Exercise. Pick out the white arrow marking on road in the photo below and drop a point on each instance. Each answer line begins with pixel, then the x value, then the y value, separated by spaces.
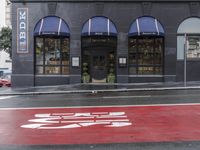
pixel 32 126
pixel 46 120
pixel 44 126
pixel 119 124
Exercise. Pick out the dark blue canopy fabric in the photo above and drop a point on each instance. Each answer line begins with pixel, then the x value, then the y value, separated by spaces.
pixel 101 26
pixel 146 26
pixel 52 26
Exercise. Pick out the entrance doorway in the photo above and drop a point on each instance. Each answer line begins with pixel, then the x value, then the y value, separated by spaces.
pixel 98 60
pixel 98 68
pixel 98 46
pixel 101 63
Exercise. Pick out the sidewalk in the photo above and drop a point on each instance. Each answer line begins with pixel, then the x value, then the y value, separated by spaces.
pixel 97 88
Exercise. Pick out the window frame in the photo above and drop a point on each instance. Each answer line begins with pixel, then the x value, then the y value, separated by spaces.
pixel 187 35
pixel 43 65
pixel 184 30
pixel 137 65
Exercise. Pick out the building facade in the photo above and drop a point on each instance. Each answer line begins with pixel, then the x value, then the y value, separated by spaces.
pixel 5 61
pixel 104 41
pixel 8 14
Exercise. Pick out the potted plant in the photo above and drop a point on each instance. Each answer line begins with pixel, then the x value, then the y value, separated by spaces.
pixel 111 76
pixel 86 76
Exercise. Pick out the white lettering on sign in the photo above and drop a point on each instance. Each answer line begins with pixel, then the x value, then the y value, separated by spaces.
pixel 78 120
pixel 22 30
pixel 22 15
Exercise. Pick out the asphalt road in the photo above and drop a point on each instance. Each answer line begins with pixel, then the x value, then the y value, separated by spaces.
pixel 102 99
pixel 106 99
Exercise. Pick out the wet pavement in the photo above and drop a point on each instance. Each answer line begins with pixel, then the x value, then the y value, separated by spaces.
pixel 88 88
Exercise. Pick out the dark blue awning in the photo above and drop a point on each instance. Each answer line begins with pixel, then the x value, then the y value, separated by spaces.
pixel 52 26
pixel 146 26
pixel 101 26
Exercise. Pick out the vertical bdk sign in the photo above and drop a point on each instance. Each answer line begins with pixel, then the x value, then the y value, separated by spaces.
pixel 22 30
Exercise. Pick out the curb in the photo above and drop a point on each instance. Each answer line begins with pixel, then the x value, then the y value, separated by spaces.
pixel 100 91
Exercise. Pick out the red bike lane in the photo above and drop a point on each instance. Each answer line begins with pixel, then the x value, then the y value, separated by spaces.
pixel 95 125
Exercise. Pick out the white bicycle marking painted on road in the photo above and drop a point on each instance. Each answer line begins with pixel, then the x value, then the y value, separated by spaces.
pixel 78 120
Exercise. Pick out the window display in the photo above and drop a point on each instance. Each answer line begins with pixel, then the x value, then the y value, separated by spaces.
pixel 193 47
pixel 52 56
pixel 189 31
pixel 145 55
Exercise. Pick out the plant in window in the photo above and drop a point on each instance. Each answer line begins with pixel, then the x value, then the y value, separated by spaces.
pixel 86 76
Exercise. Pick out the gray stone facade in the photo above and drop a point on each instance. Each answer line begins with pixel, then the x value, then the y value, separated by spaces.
pixel 122 13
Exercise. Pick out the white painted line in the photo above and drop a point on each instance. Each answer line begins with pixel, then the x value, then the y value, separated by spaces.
pixel 112 116
pixel 100 113
pixel 121 120
pixel 6 97
pixel 139 96
pixel 72 117
pixel 116 106
pixel 77 121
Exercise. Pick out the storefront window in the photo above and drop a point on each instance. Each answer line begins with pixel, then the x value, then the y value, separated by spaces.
pixel 39 51
pixel 193 47
pixel 189 33
pixel 145 55
pixel 52 56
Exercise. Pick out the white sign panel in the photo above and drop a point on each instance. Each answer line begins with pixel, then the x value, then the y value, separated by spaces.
pixel 122 61
pixel 75 61
pixel 22 30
